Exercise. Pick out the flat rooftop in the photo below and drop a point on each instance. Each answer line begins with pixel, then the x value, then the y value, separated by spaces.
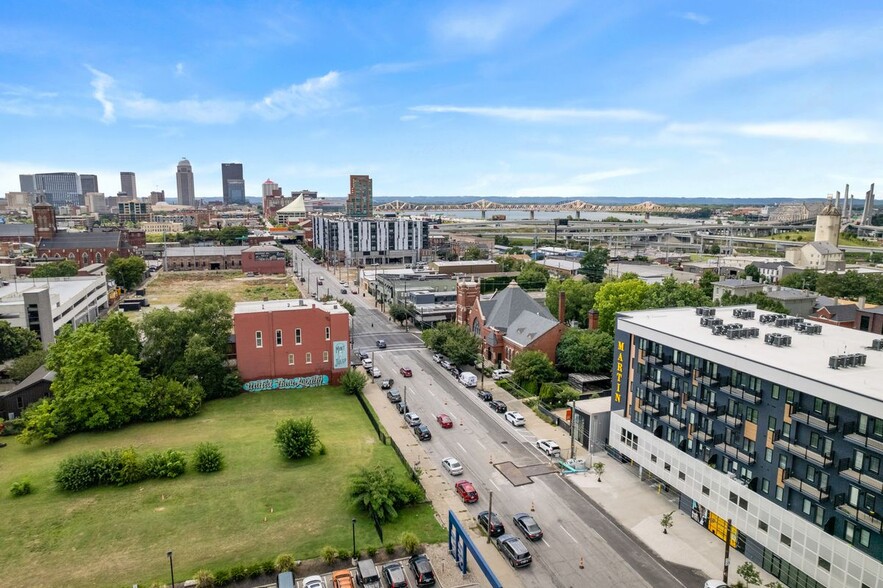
pixel 65 288
pixel 806 357
pixel 290 304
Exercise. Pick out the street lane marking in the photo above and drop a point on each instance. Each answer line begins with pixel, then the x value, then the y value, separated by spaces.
pixel 461 447
pixel 495 486
pixel 546 542
pixel 568 534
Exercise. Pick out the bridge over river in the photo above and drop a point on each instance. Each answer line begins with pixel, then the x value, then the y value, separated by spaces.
pixel 574 206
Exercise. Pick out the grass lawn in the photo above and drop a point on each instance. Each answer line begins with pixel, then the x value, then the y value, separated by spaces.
pixel 260 505
pixel 807 236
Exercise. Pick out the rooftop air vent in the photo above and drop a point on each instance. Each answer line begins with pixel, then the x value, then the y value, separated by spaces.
pixel 777 339
pixel 877 344
pixel 743 313
pixel 848 360
pixel 704 311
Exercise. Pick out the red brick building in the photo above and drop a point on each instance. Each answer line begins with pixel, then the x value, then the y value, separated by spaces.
pixel 83 248
pixel 508 323
pixel 263 259
pixel 291 343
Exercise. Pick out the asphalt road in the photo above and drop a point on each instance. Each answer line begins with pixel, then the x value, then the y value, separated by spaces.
pixel 573 526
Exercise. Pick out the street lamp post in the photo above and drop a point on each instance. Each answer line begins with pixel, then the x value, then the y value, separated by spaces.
pixel 171 567
pixel 354 542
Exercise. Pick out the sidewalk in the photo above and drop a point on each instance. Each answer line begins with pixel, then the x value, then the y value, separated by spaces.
pixel 638 506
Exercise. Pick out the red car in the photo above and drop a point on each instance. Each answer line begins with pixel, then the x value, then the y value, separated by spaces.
pixel 445 421
pixel 406 372
pixel 466 491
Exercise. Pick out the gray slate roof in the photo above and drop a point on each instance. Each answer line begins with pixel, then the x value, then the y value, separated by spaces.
pixel 22 230
pixel 41 373
pixel 525 329
pixel 96 239
pixel 841 312
pixel 508 304
pixel 739 283
pixel 824 248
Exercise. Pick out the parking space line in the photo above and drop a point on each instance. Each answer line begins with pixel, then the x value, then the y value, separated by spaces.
pixel 568 534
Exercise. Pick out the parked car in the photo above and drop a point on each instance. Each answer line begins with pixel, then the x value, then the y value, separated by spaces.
pixel 491 523
pixel 528 525
pixel 468 379
pixel 714 584
pixel 501 373
pixel 406 372
pixel 342 579
pixel 375 372
pixel 412 418
pixel 386 384
pixel 422 570
pixel 498 406
pixel 513 550
pixel 401 407
pixel 466 491
pixel 394 574
pixel 367 364
pixel 456 371
pixel 302 279
pixel 320 282
pixel 393 395
pixel 437 357
pixel 363 354
pixel 285 580
pixel 445 421
pixel 485 395
pixel 549 447
pixel 452 466
pixel 515 418
pixel 445 363
pixel 381 344
pixel 366 574
pixel 422 432
pixel 313 582
pixel 343 290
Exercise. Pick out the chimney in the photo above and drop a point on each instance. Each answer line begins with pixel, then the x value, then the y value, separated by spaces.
pixel 861 303
pixel 593 320
pixel 561 306
pixel 845 202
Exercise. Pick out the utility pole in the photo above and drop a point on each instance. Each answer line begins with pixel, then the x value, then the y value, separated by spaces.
pixel 727 551
pixel 490 516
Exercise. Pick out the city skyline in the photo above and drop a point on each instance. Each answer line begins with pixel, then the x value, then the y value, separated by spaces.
pixel 556 99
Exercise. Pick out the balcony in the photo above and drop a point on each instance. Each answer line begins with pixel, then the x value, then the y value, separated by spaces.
pixel 865 441
pixel 649 408
pixel 703 437
pixel 804 452
pixel 708 380
pixel 863 479
pixel 734 422
pixel 746 395
pixel 818 494
pixel 702 406
pixel 673 394
pixel 651 385
pixel 815 422
pixel 652 359
pixel 673 367
pixel 673 422
pixel 861 517
pixel 736 453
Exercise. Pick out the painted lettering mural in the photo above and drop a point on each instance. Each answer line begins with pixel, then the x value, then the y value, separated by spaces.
pixel 285 383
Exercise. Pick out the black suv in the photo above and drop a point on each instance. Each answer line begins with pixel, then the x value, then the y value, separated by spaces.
pixel 485 395
pixel 498 406
pixel 513 550
pixel 456 371
pixel 393 395
pixel 495 528
pixel 422 432
pixel 422 569
pixel 401 407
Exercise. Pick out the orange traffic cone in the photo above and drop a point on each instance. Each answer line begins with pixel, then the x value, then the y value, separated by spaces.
pixel 581 564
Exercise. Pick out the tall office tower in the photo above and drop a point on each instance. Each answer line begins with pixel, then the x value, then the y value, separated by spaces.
pixel 88 183
pixel 186 190
pixel 127 184
pixel 95 202
pixel 359 202
pixel 26 183
pixel 267 188
pixel 232 183
pixel 59 188
pixel 157 197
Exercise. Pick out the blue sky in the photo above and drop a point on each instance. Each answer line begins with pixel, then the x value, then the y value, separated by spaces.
pixel 557 98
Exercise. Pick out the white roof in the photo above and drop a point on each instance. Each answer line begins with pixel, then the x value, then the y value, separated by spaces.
pixel 289 304
pixel 295 206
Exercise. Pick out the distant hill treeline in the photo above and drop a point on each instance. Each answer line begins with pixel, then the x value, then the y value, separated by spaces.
pixel 670 201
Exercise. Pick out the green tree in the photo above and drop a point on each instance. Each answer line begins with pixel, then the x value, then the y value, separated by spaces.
pixel 353 381
pixel 670 293
pixel 667 521
pixel 760 299
pixel 55 269
pixel 707 282
pixel 26 365
pixel 805 279
pixel 349 306
pixel 297 438
pixel 579 298
pixel 594 263
pixel 751 272
pixel 533 276
pixel 715 249
pixel 127 272
pixel 456 341
pixel 167 398
pixel 232 235
pixel 211 316
pixel 164 334
pixel 586 351
pixel 509 263
pixel 122 333
pixel 501 240
pixel 15 341
pixel 532 366
pixel 204 364
pixel 399 312
pixel 628 293
pixel 749 573
pixel 378 492
pixel 473 253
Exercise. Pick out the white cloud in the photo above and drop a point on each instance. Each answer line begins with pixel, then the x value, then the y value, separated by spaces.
pixel 313 94
pixel 695 17
pixel 525 183
pixel 832 131
pixel 101 83
pixel 408 117
pixel 543 114
pixel 179 69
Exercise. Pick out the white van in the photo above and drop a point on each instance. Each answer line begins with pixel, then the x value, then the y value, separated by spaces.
pixel 468 379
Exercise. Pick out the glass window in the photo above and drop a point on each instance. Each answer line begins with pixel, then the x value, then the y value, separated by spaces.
pixel 824 564
pixel 328 333
pixel 786 430
pixel 309 357
pixel 849 532
pixel 780 492
pixel 807 506
pixel 278 337
pixel 297 340
pixel 751 414
pixel 258 339
pixel 817 405
pixel 864 537
pixel 786 540
pixel 765 486
pixel 858 460
pixel 769 455
pixel 705 490
pixel 776 391
pixel 783 461
pixel 874 464
pixel 325 357
pixel 290 359
pixel 771 423
pixel 762 526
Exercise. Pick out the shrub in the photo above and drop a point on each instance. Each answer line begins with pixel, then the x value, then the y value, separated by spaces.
pixel 167 398
pixel 20 488
pixel 372 551
pixel 410 542
pixel 255 570
pixel 390 548
pixel 204 579
pixel 285 562
pixel 410 493
pixel 222 577
pixel 238 573
pixel 208 458
pixel 296 438
pixel 329 554
pixel 268 566
pixel 27 364
pixel 344 554
pixel 322 449
pixel 77 472
pixel 353 381
pixel 169 464
pixel 128 468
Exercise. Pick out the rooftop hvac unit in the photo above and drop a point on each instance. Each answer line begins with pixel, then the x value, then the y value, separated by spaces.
pixel 849 360
pixel 833 363
pixel 860 359
pixel 877 344
pixel 704 311
pixel 743 313
pixel 800 327
pixel 717 330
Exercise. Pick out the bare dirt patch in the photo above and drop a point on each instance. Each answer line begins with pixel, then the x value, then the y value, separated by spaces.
pixel 170 288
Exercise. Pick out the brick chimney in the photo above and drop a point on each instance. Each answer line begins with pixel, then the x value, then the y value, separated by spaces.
pixel 593 320
pixel 561 306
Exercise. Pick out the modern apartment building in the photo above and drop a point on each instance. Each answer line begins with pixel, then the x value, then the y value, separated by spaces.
pixel 233 184
pixel 186 189
pixel 127 185
pixel 359 203
pixel 366 241
pixel 59 188
pixel 768 421
pixel 89 183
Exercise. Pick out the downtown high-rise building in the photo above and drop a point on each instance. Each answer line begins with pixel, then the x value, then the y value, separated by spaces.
pixel 26 183
pixel 267 188
pixel 186 189
pixel 59 188
pixel 89 183
pixel 359 203
pixel 127 184
pixel 232 183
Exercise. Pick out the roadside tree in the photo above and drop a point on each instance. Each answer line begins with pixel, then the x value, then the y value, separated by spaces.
pixel 533 276
pixel 16 341
pixel 532 366
pixel 127 272
pixel 594 263
pixel 586 351
pixel 353 381
pixel 55 269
